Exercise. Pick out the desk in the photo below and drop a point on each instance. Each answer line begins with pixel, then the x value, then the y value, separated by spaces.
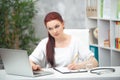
pixel 59 76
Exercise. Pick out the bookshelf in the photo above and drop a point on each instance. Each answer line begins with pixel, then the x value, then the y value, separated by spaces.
pixel 105 20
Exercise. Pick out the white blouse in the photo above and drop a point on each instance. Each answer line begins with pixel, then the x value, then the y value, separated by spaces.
pixel 63 56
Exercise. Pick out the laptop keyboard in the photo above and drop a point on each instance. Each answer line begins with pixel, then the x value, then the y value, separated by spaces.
pixel 42 73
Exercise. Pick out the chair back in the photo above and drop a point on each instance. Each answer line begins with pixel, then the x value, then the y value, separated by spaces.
pixel 81 34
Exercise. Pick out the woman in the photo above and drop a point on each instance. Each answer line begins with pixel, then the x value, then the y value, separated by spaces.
pixel 60 48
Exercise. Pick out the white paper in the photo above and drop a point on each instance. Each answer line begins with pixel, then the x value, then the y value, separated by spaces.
pixel 66 70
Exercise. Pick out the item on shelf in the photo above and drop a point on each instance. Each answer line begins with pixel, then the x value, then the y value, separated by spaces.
pixel 88 11
pixel 117 35
pixel 95 32
pixel 91 9
pixel 117 43
pixel 107 43
pixel 94 49
pixel 117 29
pixel 118 9
pixel 101 8
pixel 94 35
pixel 106 9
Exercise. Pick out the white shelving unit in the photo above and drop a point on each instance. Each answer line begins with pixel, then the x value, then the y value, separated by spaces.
pixel 108 56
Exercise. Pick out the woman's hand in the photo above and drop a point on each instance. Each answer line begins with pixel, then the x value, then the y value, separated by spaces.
pixel 82 65
pixel 35 67
pixel 73 66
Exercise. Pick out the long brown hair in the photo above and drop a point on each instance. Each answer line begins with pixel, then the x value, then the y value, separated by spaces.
pixel 51 41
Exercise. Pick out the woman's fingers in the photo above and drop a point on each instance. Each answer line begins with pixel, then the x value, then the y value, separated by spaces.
pixel 36 67
pixel 73 66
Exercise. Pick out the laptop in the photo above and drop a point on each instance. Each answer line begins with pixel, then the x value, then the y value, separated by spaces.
pixel 16 62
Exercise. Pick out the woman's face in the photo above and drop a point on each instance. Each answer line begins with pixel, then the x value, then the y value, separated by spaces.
pixel 55 28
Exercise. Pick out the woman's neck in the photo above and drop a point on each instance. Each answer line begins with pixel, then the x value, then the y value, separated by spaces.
pixel 63 41
pixel 61 38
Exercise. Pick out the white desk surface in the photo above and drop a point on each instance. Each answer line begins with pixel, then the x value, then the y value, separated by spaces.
pixel 72 76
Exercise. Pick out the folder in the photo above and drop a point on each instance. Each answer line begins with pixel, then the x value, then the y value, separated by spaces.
pixel 65 70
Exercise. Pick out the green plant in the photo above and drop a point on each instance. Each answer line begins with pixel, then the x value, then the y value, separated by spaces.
pixel 16 29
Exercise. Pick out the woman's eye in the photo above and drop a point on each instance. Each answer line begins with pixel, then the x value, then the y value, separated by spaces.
pixel 49 28
pixel 57 26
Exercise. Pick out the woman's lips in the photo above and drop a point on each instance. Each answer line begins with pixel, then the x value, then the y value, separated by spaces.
pixel 56 34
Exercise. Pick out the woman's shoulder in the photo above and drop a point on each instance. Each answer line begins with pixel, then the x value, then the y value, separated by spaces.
pixel 43 41
pixel 74 38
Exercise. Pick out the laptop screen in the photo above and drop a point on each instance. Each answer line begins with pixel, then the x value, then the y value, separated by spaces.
pixel 16 62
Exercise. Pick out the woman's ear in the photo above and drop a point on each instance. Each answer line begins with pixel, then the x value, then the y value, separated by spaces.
pixel 63 25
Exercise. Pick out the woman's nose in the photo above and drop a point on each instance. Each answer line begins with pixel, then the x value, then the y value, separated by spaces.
pixel 54 30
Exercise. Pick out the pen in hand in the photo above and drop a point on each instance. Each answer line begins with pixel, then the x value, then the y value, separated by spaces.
pixel 73 65
pixel 75 57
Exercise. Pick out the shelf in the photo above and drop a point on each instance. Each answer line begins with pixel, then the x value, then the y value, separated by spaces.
pixel 105 21
pixel 96 45
pixel 114 49
pixel 105 47
pixel 114 19
pixel 104 57
pixel 104 29
pixel 115 58
pixel 93 18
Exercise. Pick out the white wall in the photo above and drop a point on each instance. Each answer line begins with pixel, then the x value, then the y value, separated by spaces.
pixel 73 12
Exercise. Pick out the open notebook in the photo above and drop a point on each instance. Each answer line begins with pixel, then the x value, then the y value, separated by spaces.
pixel 17 62
pixel 65 70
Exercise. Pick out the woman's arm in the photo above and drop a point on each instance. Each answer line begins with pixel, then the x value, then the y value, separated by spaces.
pixel 85 56
pixel 82 65
pixel 37 57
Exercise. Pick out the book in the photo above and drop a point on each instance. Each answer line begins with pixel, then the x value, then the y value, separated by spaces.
pixel 94 49
pixel 117 43
pixel 101 8
pixel 117 29
pixel 91 9
pixel 106 9
pixel 107 41
pixel 118 9
pixel 117 35
pixel 65 70
pixel 88 8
